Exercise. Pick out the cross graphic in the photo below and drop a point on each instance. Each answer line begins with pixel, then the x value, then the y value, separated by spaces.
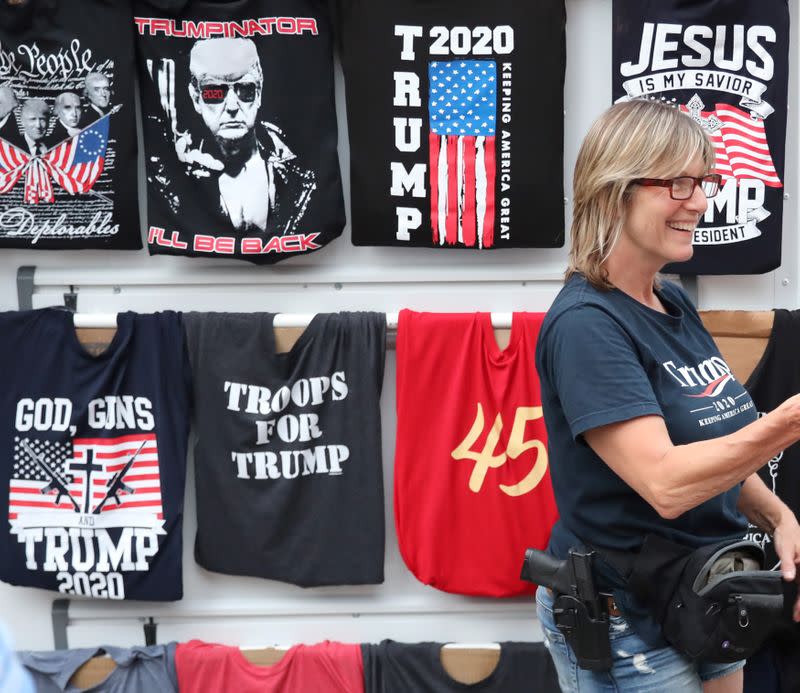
pixel 695 106
pixel 87 467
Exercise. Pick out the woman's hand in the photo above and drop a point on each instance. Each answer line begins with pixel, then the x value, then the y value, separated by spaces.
pixel 786 539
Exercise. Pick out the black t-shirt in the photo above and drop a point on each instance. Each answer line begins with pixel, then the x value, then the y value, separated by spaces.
pixel 94 450
pixel 726 63
pixel 239 127
pixel 456 122
pixel 67 126
pixel 288 455
pixel 392 667
pixel 603 358
pixel 774 380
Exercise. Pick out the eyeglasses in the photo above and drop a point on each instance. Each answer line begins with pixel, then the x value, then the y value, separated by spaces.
pixel 216 92
pixel 682 187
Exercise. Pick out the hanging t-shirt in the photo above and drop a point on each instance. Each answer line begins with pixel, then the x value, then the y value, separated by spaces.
pixel 327 667
pixel 288 455
pixel 94 450
pixel 726 64
pixel 392 667
pixel 773 381
pixel 472 482
pixel 239 127
pixel 138 669
pixel 67 126
pixel 456 122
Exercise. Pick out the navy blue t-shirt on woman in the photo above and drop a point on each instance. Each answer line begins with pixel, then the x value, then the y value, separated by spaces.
pixel 94 455
pixel 603 357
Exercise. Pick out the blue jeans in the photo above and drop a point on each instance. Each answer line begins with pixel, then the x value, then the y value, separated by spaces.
pixel 636 667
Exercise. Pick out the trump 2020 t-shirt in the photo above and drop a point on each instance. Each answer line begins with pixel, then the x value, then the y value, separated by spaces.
pixel 94 450
pixel 455 117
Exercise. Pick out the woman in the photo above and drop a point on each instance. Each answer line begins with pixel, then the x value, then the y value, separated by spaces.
pixel 648 430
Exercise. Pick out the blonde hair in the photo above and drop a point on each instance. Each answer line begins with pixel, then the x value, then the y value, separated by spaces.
pixel 634 139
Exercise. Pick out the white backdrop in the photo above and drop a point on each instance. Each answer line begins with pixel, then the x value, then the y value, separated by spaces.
pixel 255 612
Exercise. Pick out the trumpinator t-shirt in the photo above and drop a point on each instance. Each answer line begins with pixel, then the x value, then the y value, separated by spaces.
pixel 288 454
pixel 67 126
pixel 456 121
pixel 94 455
pixel 603 357
pixel 239 127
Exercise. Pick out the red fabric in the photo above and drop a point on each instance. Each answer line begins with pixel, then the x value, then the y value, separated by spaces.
pixel 488 221
pixel 452 191
pixel 328 667
pixel 468 216
pixel 458 529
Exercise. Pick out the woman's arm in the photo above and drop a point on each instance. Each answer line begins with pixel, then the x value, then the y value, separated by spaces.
pixel 676 478
pixel 763 508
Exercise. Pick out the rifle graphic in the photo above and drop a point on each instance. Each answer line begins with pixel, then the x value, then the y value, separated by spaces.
pixel 117 485
pixel 56 482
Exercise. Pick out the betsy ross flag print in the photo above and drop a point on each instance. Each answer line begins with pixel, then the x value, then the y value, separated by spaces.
pixel 739 140
pixel 462 114
pixel 75 164
pixel 85 475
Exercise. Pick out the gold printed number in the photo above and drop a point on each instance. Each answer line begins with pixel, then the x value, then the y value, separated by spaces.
pixel 486 460
pixel 517 445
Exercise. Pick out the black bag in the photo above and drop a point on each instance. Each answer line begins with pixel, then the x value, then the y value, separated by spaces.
pixel 714 617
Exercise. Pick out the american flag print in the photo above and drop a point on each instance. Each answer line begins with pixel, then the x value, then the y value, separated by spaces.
pixel 12 164
pixel 85 470
pixel 462 110
pixel 75 164
pixel 740 142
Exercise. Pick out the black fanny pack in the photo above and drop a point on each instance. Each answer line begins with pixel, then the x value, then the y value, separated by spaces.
pixel 715 603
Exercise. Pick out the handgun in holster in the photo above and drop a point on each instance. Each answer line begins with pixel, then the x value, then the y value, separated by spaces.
pixel 580 613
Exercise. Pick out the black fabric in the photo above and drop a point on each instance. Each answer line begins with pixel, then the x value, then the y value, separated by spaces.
pixel 386 45
pixel 775 379
pixel 54 58
pixel 239 128
pixel 761 672
pixel 732 55
pixel 393 667
pixel 94 450
pixel 288 454
pixel 724 619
